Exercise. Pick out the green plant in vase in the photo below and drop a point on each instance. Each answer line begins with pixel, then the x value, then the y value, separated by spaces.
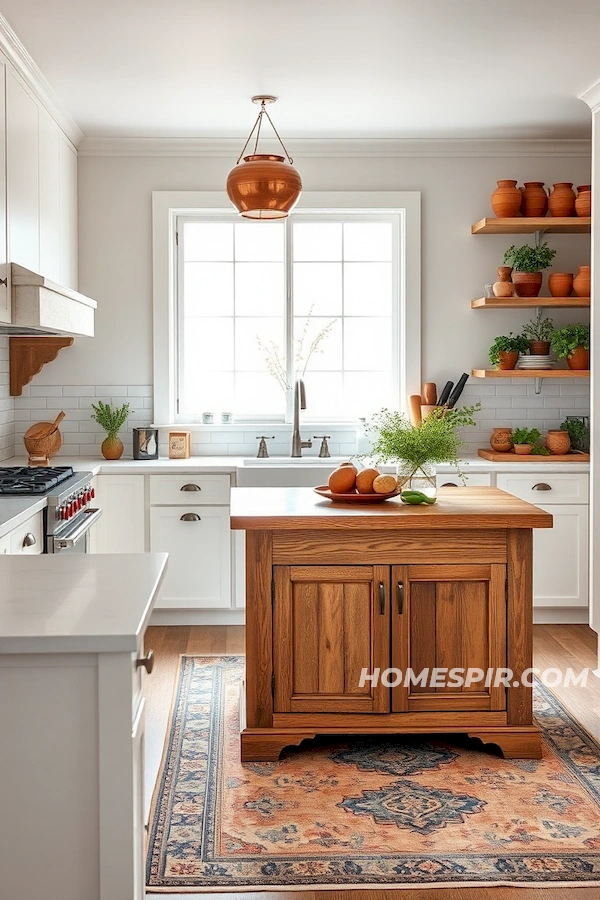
pixel 579 433
pixel 527 441
pixel 112 419
pixel 572 342
pixel 415 449
pixel 528 263
pixel 505 350
pixel 538 332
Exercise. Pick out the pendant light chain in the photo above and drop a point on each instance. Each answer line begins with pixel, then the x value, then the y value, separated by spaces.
pixel 257 126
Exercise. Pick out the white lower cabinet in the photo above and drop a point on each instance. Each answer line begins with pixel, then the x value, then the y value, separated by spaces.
pixel 198 541
pixel 4 544
pixel 28 538
pixel 121 527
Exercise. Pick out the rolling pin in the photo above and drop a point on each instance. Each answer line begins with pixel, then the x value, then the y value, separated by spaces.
pixel 430 393
pixel 414 402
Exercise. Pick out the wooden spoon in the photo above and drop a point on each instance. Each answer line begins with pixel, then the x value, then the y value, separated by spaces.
pixel 414 402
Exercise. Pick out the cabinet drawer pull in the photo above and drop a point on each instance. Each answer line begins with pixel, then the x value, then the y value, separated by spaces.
pixel 400 598
pixel 29 540
pixel 189 517
pixel 449 484
pixel 381 598
pixel 541 486
pixel 190 487
pixel 146 661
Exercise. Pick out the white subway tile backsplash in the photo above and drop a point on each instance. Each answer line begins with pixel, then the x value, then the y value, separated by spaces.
pixel 45 390
pixel 78 390
pixel 7 420
pixel 61 403
pixel 108 390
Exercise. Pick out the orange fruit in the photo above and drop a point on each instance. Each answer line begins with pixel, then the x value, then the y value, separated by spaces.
pixel 343 479
pixel 385 484
pixel 365 479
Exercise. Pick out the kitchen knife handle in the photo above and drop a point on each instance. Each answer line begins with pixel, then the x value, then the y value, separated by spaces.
pixel 460 386
pixel 445 393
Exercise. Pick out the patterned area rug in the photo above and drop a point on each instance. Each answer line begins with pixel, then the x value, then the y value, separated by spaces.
pixel 400 812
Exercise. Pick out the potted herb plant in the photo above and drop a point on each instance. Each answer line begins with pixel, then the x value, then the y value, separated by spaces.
pixel 112 419
pixel 525 440
pixel 528 263
pixel 415 449
pixel 538 332
pixel 505 350
pixel 579 433
pixel 572 342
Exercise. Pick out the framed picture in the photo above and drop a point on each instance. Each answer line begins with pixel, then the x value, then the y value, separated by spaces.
pixel 179 444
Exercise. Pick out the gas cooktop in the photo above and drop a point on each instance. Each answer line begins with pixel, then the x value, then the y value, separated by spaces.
pixel 32 480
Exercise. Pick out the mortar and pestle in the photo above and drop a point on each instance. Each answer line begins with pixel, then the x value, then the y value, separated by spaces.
pixel 43 440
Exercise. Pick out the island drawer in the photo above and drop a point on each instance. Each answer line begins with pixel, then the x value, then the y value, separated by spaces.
pixel 542 488
pixel 192 489
pixel 473 479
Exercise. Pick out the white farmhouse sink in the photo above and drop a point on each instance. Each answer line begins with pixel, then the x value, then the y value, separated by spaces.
pixel 328 462
pixel 284 472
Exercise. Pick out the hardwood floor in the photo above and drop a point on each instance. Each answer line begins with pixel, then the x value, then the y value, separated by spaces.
pixel 555 646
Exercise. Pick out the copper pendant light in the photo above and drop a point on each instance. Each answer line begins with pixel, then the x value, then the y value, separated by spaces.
pixel 264 185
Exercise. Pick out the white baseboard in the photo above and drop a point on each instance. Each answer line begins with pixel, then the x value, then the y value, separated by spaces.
pixel 198 617
pixel 560 615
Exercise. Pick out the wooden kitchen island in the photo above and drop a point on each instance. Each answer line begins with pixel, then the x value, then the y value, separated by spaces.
pixel 332 589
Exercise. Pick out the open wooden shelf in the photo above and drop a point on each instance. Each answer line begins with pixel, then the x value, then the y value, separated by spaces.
pixel 529 302
pixel 530 373
pixel 525 225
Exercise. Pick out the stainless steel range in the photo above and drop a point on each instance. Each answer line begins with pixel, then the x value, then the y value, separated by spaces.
pixel 69 514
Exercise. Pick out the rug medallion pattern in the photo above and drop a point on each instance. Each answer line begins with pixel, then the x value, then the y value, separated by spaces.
pixel 378 812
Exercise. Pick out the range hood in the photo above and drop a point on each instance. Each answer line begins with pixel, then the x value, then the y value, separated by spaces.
pixel 40 306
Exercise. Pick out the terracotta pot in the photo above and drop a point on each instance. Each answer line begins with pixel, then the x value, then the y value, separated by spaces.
pixel 561 201
pixel 539 348
pixel 506 199
pixel 583 203
pixel 527 284
pixel 583 187
pixel 560 284
pixel 501 440
pixel 558 442
pixel 112 448
pixel 504 286
pixel 534 200
pixel 579 359
pixel 523 449
pixel 508 359
pixel 581 282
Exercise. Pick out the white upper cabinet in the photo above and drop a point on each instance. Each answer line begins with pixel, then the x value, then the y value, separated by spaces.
pixel 50 206
pixel 22 168
pixel 5 308
pixel 68 212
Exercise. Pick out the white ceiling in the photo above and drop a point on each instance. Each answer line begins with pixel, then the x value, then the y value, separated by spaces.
pixel 341 68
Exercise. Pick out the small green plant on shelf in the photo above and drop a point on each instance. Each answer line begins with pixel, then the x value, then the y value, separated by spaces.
pixel 528 258
pixel 579 433
pixel 528 440
pixel 507 343
pixel 564 341
pixel 112 419
pixel 538 330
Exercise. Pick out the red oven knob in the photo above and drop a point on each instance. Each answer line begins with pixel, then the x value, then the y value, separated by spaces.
pixel 92 493
pixel 70 510
pixel 88 496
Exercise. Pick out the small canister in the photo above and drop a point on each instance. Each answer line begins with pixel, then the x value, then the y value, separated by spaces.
pixel 145 442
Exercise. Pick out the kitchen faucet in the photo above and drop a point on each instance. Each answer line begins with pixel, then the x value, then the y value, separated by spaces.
pixel 299 403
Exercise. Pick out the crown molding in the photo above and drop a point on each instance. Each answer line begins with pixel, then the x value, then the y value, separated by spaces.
pixel 17 55
pixel 592 96
pixel 302 147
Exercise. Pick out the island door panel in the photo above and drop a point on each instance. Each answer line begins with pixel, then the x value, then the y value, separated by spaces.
pixel 330 623
pixel 452 617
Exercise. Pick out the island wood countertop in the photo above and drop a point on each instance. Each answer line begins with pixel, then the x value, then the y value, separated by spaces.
pixel 280 509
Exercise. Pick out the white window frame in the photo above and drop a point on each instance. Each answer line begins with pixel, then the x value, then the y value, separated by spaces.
pixel 168 205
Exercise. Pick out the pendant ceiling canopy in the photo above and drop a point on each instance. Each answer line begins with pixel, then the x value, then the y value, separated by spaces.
pixel 264 185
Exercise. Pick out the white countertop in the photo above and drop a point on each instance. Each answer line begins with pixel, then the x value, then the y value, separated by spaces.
pixel 77 603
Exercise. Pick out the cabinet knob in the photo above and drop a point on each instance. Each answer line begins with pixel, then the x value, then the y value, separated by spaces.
pixel 190 517
pixel 381 598
pixel 541 486
pixel 29 540
pixel 190 487
pixel 449 484
pixel 400 594
pixel 146 661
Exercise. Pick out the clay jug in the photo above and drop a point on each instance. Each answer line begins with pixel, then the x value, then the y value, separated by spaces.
pixel 506 199
pixel 579 360
pixel 504 286
pixel 561 201
pixel 534 200
pixel 558 442
pixel 501 440
pixel 581 282
pixel 112 447
pixel 560 284
pixel 583 203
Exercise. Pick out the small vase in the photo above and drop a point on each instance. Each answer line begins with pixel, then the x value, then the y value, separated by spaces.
pixel 583 203
pixel 534 200
pixel 579 360
pixel 112 447
pixel 504 286
pixel 561 201
pixel 508 359
pixel 581 282
pixel 539 348
pixel 416 478
pixel 558 442
pixel 527 284
pixel 560 284
pixel 523 449
pixel 501 440
pixel 506 199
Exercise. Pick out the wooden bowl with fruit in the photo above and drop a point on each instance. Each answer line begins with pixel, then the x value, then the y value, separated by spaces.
pixel 347 485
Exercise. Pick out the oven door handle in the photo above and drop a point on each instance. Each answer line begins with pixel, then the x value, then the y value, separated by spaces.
pixel 68 539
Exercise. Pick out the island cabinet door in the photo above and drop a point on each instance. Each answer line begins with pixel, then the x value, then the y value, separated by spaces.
pixel 331 626
pixel 448 617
